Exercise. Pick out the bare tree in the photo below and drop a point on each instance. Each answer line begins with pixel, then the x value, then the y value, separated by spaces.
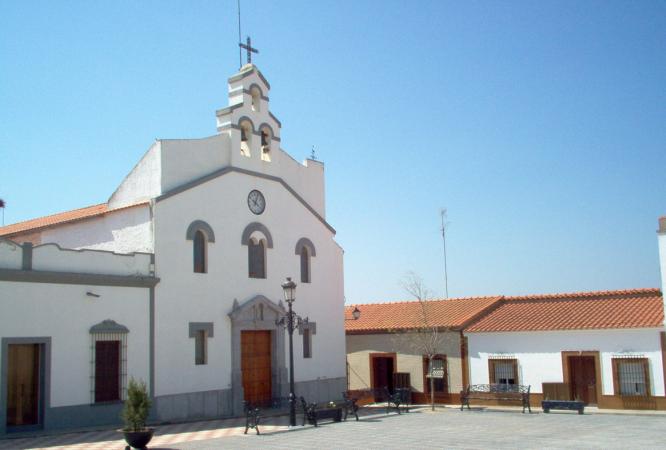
pixel 427 338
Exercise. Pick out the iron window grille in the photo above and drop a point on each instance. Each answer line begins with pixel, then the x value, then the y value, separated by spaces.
pixel 107 373
pixel 438 371
pixel 503 371
pixel 631 376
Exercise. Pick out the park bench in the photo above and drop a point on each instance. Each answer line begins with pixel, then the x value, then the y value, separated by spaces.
pixel 571 405
pixel 400 396
pixel 313 413
pixel 507 392
pixel 349 405
pixel 251 417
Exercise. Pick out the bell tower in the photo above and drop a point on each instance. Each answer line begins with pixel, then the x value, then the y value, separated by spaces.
pixel 253 130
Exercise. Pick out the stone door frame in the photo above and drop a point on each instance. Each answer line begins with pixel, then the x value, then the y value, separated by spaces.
pixel 257 313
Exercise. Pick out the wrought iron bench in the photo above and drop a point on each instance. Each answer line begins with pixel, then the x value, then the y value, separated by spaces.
pixel 401 396
pixel 313 413
pixel 509 392
pixel 251 417
pixel 349 405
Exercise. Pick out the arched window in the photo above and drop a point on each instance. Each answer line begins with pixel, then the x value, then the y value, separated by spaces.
pixel 256 251
pixel 199 246
pixel 305 265
pixel 306 250
pixel 201 234
pixel 255 93
pixel 258 239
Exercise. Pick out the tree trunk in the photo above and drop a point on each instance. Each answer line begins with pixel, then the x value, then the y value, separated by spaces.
pixel 432 384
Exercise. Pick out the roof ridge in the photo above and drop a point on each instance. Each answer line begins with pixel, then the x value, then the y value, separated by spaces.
pixel 398 302
pixel 51 215
pixel 43 221
pixel 583 294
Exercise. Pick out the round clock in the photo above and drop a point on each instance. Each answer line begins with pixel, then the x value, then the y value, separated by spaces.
pixel 256 202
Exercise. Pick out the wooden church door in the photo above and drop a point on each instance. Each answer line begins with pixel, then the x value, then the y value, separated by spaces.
pixel 256 366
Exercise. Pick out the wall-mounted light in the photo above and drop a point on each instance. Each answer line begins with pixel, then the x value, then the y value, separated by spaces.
pixel 356 314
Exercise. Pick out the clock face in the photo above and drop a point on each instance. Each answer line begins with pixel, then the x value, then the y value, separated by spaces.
pixel 256 202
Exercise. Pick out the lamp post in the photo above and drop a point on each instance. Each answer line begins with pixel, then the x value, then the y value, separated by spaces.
pixel 291 321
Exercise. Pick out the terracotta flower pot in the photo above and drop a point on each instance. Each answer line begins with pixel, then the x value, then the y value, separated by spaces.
pixel 138 439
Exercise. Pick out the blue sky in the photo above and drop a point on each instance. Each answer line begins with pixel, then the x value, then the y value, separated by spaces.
pixel 539 125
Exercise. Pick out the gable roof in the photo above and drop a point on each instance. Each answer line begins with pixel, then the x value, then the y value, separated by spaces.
pixel 61 218
pixel 453 313
pixel 634 308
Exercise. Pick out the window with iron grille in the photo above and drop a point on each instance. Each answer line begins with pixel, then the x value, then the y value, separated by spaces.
pixel 631 376
pixel 108 362
pixel 503 371
pixel 439 374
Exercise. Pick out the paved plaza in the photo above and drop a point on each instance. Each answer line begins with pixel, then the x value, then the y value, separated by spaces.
pixel 444 428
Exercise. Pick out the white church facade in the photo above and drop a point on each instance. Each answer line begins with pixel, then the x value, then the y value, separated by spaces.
pixel 176 280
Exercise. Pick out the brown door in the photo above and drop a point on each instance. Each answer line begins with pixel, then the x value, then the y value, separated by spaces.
pixel 23 385
pixel 256 366
pixel 583 379
pixel 107 371
pixel 382 376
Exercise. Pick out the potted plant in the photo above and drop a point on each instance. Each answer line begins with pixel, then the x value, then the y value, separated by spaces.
pixel 135 412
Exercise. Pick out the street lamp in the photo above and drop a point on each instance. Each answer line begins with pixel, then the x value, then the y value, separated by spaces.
pixel 291 321
pixel 356 314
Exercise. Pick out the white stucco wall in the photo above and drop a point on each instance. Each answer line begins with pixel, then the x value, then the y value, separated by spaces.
pixel 65 314
pixel 123 231
pixel 185 160
pixel 540 358
pixel 11 255
pixel 184 296
pixel 143 182
pixel 51 257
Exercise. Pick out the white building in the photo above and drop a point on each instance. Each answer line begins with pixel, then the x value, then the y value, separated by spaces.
pixel 604 348
pixel 208 230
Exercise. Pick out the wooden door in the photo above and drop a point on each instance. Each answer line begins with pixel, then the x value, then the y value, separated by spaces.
pixel 23 384
pixel 256 366
pixel 107 371
pixel 382 376
pixel 583 379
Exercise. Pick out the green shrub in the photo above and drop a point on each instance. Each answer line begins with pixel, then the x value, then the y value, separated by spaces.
pixel 137 406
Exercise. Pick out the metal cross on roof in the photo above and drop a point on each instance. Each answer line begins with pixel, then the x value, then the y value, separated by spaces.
pixel 249 49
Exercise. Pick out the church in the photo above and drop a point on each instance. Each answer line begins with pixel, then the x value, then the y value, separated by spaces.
pixel 176 281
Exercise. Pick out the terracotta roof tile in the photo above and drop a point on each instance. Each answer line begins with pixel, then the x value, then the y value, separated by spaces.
pixel 451 313
pixel 635 308
pixel 60 219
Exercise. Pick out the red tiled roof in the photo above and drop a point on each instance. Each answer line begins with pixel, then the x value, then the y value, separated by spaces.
pixel 451 313
pixel 634 308
pixel 60 219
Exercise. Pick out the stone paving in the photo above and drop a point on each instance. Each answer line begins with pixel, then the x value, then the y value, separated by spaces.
pixel 476 429
pixel 445 428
